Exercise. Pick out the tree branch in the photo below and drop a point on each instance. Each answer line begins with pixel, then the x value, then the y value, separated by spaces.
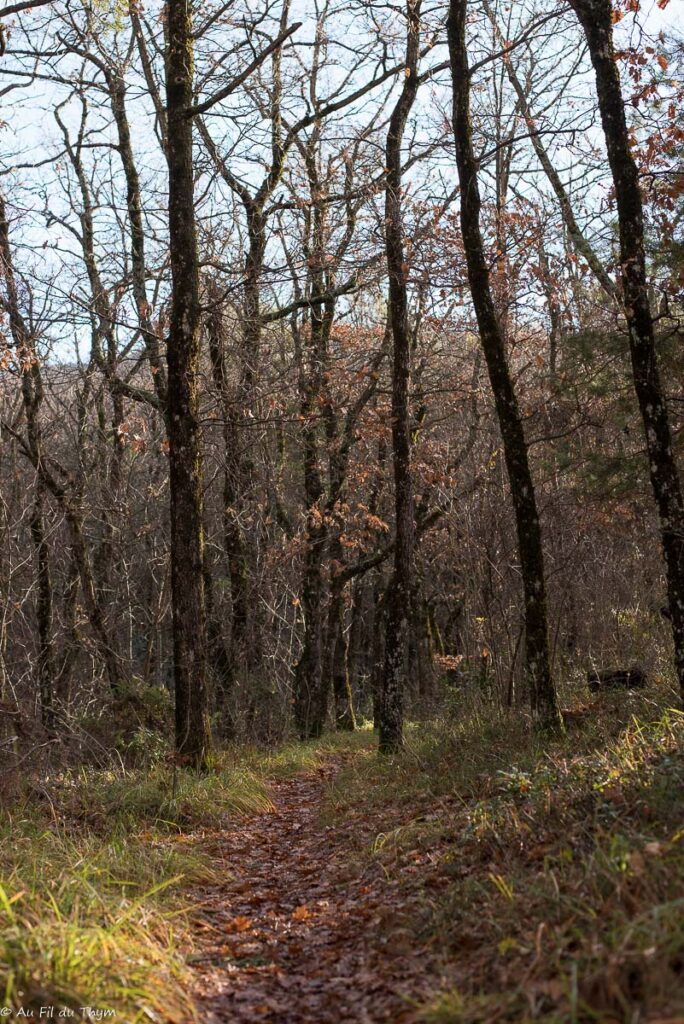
pixel 24 6
pixel 201 108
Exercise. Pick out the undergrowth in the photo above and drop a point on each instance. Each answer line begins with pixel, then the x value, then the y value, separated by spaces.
pixel 93 887
pixel 551 876
pixel 95 867
pixel 297 758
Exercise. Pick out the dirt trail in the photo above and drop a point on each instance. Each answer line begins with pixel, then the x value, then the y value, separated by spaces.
pixel 297 933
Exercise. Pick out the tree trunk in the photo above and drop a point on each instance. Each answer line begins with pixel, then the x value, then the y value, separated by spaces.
pixel 377 662
pixel 241 481
pixel 311 696
pixel 540 680
pixel 337 668
pixel 185 457
pixel 229 659
pixel 219 657
pixel 32 395
pixel 398 602
pixel 595 16
pixel 312 683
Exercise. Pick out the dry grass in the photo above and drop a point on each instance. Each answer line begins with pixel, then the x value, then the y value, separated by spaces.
pixel 92 907
pixel 552 878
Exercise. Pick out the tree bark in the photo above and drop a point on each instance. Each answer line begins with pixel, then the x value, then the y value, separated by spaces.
pixel 185 456
pixel 538 664
pixel 226 659
pixel 398 601
pixel 32 396
pixel 312 683
pixel 595 17
pixel 337 664
pixel 311 693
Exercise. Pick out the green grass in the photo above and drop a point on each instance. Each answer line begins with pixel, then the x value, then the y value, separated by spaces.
pixel 93 886
pixel 550 877
pixel 95 867
pixel 300 758
pixel 156 795
pixel 92 922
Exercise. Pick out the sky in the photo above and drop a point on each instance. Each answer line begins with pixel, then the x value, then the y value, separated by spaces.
pixel 31 135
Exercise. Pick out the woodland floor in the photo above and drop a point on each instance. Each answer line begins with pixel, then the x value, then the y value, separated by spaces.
pixel 483 876
pixel 478 878
pixel 301 930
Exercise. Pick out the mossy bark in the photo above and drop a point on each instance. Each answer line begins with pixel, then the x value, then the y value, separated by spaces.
pixel 184 432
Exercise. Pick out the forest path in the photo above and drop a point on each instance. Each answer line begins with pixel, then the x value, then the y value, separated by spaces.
pixel 303 931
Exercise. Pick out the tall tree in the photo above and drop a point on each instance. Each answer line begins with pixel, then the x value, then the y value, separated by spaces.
pixel 538 660
pixel 240 475
pixel 398 603
pixel 596 19
pixel 184 431
pixel 32 397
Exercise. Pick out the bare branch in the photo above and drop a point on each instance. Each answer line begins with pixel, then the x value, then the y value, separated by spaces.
pixel 235 83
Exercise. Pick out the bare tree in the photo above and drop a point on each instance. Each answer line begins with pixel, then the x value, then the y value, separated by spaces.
pixel 596 18
pixel 185 454
pixel 398 601
pixel 541 686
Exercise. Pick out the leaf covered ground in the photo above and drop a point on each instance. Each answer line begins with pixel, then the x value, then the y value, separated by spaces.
pixel 298 932
pixel 480 877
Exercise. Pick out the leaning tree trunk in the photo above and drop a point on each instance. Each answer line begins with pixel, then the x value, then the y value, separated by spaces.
pixel 185 459
pixel 398 601
pixel 541 685
pixel 595 16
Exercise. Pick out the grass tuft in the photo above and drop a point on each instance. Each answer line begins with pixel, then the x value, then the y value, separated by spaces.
pixel 92 887
pixel 301 758
pixel 91 923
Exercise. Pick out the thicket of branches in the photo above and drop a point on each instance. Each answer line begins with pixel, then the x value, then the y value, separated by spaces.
pixel 272 437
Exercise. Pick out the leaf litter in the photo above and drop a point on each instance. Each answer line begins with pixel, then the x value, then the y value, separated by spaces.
pixel 300 932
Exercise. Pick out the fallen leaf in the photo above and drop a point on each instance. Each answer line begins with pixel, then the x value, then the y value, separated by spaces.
pixel 239 924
